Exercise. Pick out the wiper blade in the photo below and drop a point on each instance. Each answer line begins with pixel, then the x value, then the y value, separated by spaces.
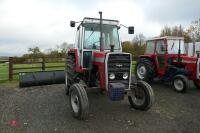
pixel 172 45
pixel 90 35
pixel 93 29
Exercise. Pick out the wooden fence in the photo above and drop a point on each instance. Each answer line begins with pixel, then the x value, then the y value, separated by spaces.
pixel 14 65
pixel 17 64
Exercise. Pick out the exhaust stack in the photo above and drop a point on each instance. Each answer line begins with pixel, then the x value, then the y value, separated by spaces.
pixel 101 33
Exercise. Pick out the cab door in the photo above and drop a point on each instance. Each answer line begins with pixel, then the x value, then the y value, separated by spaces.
pixel 161 56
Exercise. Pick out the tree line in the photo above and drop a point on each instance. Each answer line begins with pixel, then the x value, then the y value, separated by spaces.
pixel 135 47
pixel 58 51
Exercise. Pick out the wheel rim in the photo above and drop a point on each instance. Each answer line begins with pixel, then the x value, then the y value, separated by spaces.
pixel 75 102
pixel 141 71
pixel 138 96
pixel 178 84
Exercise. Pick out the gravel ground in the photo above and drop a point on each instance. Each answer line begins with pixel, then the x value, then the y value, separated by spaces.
pixel 46 109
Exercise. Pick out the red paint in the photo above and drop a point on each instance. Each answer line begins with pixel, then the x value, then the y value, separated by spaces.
pixel 100 65
pixel 99 54
pixel 12 123
pixel 78 67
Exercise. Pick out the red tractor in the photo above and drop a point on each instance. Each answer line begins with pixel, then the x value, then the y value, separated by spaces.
pixel 97 61
pixel 166 59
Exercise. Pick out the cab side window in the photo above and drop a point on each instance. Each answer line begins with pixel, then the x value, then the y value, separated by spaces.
pixel 149 47
pixel 160 47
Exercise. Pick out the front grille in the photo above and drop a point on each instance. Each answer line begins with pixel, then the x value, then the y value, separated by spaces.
pixel 119 64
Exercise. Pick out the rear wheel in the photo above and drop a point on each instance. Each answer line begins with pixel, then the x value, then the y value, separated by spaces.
pixel 141 96
pixel 70 73
pixel 145 70
pixel 180 83
pixel 78 101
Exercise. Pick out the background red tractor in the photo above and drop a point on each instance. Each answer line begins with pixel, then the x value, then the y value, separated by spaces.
pixel 97 61
pixel 166 59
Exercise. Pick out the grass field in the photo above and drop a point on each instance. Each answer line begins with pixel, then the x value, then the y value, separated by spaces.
pixel 4 69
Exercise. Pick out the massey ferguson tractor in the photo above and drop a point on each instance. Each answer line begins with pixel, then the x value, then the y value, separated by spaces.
pixel 97 61
pixel 166 59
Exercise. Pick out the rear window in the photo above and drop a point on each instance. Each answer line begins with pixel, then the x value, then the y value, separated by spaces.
pixel 149 47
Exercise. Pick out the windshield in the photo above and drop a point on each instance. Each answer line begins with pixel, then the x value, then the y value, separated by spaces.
pixel 92 35
pixel 173 46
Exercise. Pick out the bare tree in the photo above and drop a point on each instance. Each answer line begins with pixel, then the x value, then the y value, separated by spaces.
pixel 194 30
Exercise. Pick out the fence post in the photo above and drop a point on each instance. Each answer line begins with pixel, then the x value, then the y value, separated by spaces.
pixel 43 63
pixel 10 68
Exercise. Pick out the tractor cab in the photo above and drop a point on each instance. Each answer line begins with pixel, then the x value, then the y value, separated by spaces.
pixel 88 38
pixel 165 45
pixel 164 50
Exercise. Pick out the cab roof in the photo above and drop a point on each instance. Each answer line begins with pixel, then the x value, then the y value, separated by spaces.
pixel 166 37
pixel 104 21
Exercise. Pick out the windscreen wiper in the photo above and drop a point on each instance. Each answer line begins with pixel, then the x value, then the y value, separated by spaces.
pixel 93 29
pixel 172 45
pixel 90 35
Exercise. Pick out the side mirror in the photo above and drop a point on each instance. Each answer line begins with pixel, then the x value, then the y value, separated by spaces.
pixel 72 23
pixel 131 30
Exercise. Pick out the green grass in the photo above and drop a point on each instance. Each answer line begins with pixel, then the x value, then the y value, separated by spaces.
pixel 3 71
pixel 133 67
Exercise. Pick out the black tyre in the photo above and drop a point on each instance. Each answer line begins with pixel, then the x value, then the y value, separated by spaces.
pixel 141 96
pixel 70 74
pixel 79 103
pixel 197 85
pixel 144 70
pixel 180 83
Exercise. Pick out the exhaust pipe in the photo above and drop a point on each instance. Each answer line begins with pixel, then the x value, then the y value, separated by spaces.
pixel 101 33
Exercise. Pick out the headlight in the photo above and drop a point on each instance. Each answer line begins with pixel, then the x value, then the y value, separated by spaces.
pixel 125 75
pixel 112 76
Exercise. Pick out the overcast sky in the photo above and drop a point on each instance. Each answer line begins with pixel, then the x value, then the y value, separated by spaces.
pixel 45 23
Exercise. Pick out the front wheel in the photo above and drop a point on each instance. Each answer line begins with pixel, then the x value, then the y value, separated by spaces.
pixel 180 83
pixel 141 96
pixel 79 103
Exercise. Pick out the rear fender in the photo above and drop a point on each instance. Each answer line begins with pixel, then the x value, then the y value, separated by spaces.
pixel 149 57
pixel 172 72
pixel 185 72
pixel 74 52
